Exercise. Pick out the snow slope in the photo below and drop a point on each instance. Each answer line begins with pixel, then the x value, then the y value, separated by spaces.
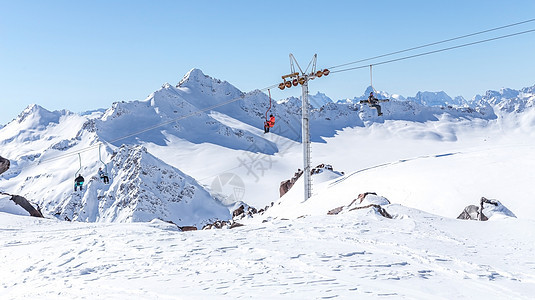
pixel 228 141
pixel 357 255
pixel 171 114
pixel 142 187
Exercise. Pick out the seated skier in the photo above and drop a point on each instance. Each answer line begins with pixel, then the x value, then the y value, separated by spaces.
pixel 103 176
pixel 79 182
pixel 373 102
pixel 269 123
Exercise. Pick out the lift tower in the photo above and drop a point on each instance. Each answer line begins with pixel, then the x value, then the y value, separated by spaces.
pixel 302 77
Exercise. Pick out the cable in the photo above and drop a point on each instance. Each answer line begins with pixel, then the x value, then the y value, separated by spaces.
pixel 68 154
pixel 275 85
pixel 432 44
pixel 186 116
pixel 65 155
pixel 436 51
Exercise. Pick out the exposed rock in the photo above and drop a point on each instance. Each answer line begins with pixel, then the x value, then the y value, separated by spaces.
pixel 471 212
pixel 187 228
pixel 4 164
pixel 286 185
pixel 239 211
pixel 335 211
pixel 360 198
pixel 24 203
pixel 235 224
pixel 487 208
pixel 216 225
pixel 363 201
pixel 319 167
pixel 377 208
pixel 243 211
pixel 222 224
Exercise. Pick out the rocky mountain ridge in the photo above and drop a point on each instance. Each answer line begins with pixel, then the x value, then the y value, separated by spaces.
pixel 45 148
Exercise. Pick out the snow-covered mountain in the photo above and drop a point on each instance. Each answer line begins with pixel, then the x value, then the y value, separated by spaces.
pixel 175 115
pixel 200 112
pixel 377 94
pixel 187 152
pixel 319 100
pixel 48 149
pixel 437 99
pixel 510 100
pixel 143 188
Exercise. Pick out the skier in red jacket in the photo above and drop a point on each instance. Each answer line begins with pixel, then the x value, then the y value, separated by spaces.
pixel 269 123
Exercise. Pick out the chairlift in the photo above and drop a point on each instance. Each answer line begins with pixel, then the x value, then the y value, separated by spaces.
pixel 103 175
pixel 269 122
pixel 78 178
pixel 372 101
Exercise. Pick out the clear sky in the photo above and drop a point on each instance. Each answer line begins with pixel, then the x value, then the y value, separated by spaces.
pixel 83 55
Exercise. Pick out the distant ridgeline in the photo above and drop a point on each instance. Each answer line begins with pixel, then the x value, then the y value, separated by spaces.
pixel 47 148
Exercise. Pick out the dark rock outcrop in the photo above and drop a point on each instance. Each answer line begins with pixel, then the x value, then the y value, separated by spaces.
pixel 187 228
pixel 374 203
pixel 4 164
pixel 485 210
pixel 286 185
pixel 217 225
pixel 471 212
pixel 24 203
pixel 377 208
pixel 243 211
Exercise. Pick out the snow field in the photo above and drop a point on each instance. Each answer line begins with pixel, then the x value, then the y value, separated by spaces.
pixel 429 164
pixel 354 255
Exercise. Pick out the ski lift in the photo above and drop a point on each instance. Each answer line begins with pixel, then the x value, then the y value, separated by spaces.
pixel 103 174
pixel 372 101
pixel 80 161
pixel 269 122
pixel 78 178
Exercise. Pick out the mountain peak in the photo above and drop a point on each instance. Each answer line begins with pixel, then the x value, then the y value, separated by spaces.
pixel 319 100
pixel 205 86
pixel 194 75
pixel 38 115
pixel 436 99
pixel 528 90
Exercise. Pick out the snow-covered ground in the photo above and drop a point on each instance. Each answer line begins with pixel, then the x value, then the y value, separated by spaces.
pixel 430 163
pixel 355 255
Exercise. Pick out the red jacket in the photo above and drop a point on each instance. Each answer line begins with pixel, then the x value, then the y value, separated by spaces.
pixel 271 121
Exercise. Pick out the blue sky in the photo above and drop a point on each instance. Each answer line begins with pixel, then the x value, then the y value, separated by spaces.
pixel 83 55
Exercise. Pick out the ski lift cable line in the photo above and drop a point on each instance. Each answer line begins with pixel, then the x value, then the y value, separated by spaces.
pixel 69 154
pixel 432 44
pixel 65 155
pixel 185 116
pixel 435 51
pixel 271 87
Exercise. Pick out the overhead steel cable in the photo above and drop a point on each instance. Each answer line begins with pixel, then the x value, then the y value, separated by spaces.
pixel 68 154
pixel 435 51
pixel 432 44
pixel 185 116
pixel 336 71
pixel 65 155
